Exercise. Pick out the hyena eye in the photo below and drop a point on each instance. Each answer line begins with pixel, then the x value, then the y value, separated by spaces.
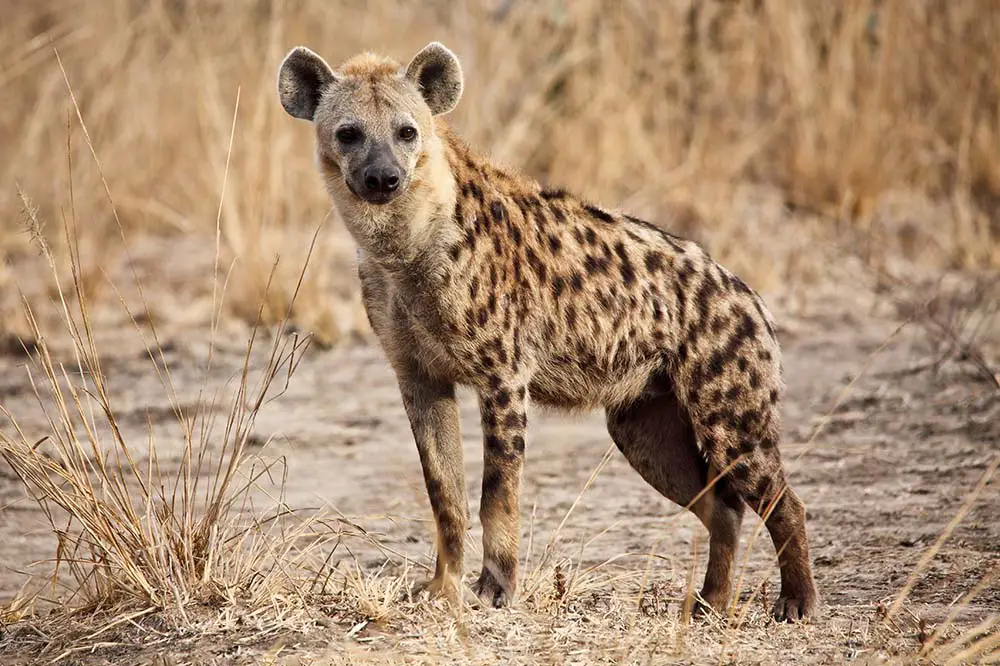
pixel 348 135
pixel 408 133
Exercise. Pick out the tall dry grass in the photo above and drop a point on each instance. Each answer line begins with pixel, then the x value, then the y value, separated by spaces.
pixel 835 108
pixel 135 535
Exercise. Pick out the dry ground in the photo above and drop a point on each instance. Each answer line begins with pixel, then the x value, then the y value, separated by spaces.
pixel 816 148
pixel 901 449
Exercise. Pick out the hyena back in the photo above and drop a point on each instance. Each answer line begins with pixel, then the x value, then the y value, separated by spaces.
pixel 474 275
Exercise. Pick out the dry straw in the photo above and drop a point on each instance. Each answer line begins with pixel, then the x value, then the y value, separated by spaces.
pixel 839 110
pixel 133 540
pixel 834 106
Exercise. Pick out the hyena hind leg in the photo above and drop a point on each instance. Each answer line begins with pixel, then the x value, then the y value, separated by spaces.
pixel 750 454
pixel 657 439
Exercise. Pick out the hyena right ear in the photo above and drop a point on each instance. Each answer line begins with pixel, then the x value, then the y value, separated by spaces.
pixel 436 72
pixel 301 80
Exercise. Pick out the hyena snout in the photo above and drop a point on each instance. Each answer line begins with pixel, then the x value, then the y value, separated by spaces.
pixel 381 179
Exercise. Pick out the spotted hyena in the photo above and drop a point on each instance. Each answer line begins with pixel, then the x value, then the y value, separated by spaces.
pixel 472 274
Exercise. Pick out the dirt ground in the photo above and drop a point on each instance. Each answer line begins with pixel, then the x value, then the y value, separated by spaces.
pixel 900 451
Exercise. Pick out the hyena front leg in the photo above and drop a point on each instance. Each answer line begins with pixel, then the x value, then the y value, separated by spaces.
pixel 503 410
pixel 433 413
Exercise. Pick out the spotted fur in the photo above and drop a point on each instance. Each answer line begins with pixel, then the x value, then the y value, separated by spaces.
pixel 478 276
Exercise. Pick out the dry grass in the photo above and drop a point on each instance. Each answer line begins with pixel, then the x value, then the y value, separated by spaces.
pixel 133 540
pixel 618 611
pixel 876 120
pixel 878 114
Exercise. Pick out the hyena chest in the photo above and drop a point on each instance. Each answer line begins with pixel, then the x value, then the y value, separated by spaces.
pixel 466 340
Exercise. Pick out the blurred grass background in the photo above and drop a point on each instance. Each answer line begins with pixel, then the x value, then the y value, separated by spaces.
pixel 768 129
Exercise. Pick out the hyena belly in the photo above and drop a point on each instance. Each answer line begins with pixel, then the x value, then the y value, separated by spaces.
pixel 568 383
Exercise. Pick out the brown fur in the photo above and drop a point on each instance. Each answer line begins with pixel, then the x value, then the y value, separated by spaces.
pixel 477 276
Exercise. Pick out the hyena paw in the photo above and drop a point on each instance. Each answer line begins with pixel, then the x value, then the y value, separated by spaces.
pixel 445 587
pixel 492 592
pixel 795 607
pixel 710 602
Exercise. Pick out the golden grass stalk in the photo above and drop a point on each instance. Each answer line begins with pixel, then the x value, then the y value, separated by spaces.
pixel 127 531
pixel 832 106
pixel 131 536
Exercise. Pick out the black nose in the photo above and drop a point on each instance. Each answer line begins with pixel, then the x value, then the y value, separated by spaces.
pixel 382 179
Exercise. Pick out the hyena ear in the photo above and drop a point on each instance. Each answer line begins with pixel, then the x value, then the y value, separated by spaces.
pixel 436 72
pixel 301 80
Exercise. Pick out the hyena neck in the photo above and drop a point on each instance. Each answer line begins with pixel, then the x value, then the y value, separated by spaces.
pixel 475 175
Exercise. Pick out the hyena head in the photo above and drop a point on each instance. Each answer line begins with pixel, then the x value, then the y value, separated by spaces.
pixel 375 134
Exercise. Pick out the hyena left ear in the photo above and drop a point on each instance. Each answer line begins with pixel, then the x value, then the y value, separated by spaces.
pixel 436 72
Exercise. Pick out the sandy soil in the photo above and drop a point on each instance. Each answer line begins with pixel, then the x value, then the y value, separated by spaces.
pixel 892 466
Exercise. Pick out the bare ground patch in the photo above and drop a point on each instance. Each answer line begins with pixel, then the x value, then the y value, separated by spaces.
pixel 900 449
